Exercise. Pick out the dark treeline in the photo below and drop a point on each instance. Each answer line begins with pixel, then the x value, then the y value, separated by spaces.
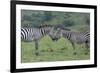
pixel 73 20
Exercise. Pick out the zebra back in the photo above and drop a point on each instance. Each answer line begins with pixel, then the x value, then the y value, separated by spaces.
pixel 74 36
pixel 30 34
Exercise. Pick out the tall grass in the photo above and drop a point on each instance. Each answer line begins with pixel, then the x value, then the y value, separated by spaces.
pixel 49 50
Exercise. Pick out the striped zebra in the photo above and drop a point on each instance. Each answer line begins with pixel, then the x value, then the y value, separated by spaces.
pixel 36 33
pixel 74 37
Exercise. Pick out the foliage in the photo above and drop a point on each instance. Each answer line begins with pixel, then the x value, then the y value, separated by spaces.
pixel 75 20
pixel 61 51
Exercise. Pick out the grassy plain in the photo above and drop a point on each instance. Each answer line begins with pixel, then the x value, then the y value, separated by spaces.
pixel 49 50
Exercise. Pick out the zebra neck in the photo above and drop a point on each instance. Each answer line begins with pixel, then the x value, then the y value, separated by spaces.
pixel 43 32
pixel 67 35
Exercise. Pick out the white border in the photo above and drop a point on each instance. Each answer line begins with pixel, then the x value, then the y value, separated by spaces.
pixel 20 65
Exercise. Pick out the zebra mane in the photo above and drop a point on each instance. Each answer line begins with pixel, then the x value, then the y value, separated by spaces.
pixel 63 27
pixel 41 26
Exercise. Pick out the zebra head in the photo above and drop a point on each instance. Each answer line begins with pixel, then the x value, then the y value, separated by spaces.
pixel 55 33
pixel 60 31
pixel 52 34
pixel 50 31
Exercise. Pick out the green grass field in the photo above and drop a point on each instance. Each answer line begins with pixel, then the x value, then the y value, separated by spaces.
pixel 52 51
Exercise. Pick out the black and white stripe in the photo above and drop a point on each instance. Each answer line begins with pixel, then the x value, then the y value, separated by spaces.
pixel 36 33
pixel 75 37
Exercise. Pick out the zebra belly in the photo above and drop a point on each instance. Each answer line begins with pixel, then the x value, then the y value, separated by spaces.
pixel 27 40
pixel 78 40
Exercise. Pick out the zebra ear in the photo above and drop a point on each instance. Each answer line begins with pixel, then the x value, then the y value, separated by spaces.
pixel 41 25
pixel 59 32
pixel 58 29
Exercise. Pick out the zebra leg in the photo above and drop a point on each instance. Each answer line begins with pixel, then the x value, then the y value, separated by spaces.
pixel 73 48
pixel 36 47
pixel 87 47
pixel 73 45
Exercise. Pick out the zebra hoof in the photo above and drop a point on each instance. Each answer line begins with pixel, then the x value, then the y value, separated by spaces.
pixel 86 53
pixel 51 50
pixel 37 54
pixel 62 48
pixel 74 53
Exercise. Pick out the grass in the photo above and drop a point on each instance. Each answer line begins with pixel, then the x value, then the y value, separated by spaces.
pixel 52 51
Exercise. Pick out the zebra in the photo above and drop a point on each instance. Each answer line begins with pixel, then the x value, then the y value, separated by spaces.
pixel 36 33
pixel 74 36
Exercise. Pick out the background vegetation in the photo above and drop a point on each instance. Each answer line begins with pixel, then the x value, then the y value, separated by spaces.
pixel 54 51
pixel 77 21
